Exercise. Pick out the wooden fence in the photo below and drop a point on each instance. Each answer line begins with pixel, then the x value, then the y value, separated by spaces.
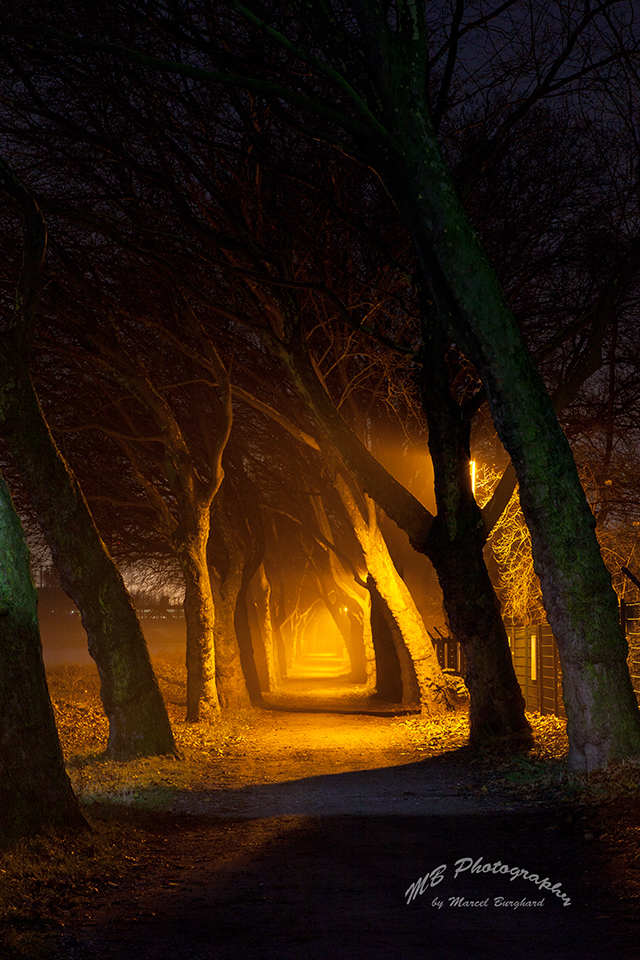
pixel 537 663
pixel 535 660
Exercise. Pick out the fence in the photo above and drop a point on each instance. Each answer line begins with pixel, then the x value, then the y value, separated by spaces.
pixel 630 619
pixel 535 660
pixel 537 663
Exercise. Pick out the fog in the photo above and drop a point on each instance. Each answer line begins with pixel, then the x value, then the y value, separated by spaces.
pixel 64 640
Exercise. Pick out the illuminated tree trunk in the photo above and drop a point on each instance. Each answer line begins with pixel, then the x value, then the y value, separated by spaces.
pixel 261 591
pixel 199 616
pixel 455 547
pixel 432 684
pixel 35 792
pixel 215 679
pixel 396 679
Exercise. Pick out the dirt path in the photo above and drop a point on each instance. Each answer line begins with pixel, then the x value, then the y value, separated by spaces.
pixel 302 843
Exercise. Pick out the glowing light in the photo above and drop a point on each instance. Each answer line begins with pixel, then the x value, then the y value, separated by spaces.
pixel 472 471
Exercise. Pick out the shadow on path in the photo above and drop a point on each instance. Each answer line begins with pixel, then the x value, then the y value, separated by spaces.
pixel 334 888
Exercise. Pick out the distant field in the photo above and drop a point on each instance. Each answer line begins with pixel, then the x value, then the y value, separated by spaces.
pixel 65 642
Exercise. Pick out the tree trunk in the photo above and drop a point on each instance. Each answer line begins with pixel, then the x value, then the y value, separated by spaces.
pixel 434 696
pixel 230 678
pixel 261 592
pixel 602 711
pixel 396 680
pixel 242 623
pixel 138 721
pixel 226 572
pixel 455 547
pixel 35 792
pixel 199 615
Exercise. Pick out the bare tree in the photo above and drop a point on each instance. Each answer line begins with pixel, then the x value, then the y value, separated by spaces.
pixel 138 721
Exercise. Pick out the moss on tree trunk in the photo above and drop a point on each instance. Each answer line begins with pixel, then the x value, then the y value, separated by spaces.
pixel 35 792
pixel 581 606
pixel 138 721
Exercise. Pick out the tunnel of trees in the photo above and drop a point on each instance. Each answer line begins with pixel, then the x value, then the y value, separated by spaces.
pixel 271 279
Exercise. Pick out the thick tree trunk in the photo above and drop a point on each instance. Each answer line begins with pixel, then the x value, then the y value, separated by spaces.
pixel 232 687
pixel 602 711
pixel 434 696
pixel 242 624
pixel 35 792
pixel 396 680
pixel 199 614
pixel 455 547
pixel 214 672
pixel 226 578
pixel 138 721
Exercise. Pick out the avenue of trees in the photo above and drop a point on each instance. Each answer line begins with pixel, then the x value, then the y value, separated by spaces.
pixel 258 259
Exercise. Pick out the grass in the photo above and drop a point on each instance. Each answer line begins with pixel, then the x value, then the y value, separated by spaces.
pixel 149 783
pixel 539 773
pixel 42 875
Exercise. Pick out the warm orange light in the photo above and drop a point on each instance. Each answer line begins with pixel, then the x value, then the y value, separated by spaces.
pixel 472 470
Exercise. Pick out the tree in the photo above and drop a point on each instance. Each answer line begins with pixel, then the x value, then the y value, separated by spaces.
pixel 35 792
pixel 234 236
pixel 377 57
pixel 138 721
pixel 165 401
pixel 368 86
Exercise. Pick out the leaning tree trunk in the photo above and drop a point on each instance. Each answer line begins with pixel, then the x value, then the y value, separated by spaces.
pixel 603 720
pixel 138 721
pixel 35 792
pixel 455 547
pixel 432 684
pixel 396 680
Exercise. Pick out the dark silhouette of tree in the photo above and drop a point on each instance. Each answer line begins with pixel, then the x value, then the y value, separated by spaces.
pixel 35 792
pixel 138 721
